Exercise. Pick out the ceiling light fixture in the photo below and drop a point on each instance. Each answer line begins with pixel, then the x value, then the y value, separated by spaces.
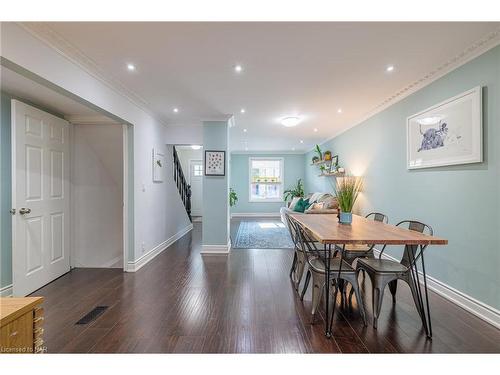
pixel 176 110
pixel 195 147
pixel 390 68
pixel 242 110
pixel 238 68
pixel 339 110
pixel 301 141
pixel 131 67
pixel 290 121
pixel 244 130
pixel 315 130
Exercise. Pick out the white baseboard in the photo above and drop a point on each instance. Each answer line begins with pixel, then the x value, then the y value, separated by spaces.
pixel 255 214
pixel 6 291
pixel 147 257
pixel 487 313
pixel 216 249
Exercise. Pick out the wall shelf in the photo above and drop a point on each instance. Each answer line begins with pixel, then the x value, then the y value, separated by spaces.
pixel 334 174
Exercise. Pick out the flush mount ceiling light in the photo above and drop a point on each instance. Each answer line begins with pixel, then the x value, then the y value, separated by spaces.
pixel 195 147
pixel 176 110
pixel 244 130
pixel 238 68
pixel 242 110
pixel 315 130
pixel 301 141
pixel 131 67
pixel 290 121
pixel 389 68
pixel 339 110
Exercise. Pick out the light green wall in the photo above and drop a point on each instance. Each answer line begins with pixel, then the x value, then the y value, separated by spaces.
pixel 215 229
pixel 461 203
pixel 293 170
pixel 5 193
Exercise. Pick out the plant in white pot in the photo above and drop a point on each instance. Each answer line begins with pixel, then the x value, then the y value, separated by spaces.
pixel 347 190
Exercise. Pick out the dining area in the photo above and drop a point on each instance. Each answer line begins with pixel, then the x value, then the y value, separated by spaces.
pixel 333 259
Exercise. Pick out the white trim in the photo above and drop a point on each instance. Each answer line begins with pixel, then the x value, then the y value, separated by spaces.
pixel 125 196
pixel 282 178
pixel 157 250
pixel 475 50
pixel 483 311
pixel 216 249
pixel 255 214
pixel 90 120
pixel 6 291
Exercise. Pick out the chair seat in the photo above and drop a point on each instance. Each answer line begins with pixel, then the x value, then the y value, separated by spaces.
pixel 318 265
pixel 381 265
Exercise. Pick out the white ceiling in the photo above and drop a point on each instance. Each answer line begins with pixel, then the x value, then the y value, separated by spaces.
pixel 24 88
pixel 310 69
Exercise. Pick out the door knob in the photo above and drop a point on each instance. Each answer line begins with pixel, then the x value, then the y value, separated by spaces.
pixel 24 211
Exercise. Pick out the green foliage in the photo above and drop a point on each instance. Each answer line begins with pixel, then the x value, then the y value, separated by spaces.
pixel 318 151
pixel 233 198
pixel 296 191
pixel 347 190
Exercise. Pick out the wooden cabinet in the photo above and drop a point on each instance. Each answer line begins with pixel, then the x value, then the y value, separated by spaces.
pixel 21 325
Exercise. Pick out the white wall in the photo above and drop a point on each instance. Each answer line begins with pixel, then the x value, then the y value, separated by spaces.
pixel 97 196
pixel 184 134
pixel 158 213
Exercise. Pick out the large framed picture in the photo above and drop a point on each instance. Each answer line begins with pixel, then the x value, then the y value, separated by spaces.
pixel 448 133
pixel 215 163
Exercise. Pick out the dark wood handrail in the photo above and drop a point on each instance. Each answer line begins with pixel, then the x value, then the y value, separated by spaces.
pixel 182 185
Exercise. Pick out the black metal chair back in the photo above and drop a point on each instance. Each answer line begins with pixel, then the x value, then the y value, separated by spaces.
pixel 377 216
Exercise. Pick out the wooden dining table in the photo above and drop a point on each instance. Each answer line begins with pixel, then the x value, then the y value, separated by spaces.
pixel 327 230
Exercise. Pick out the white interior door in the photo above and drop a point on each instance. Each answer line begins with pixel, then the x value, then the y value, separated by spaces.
pixel 196 182
pixel 40 196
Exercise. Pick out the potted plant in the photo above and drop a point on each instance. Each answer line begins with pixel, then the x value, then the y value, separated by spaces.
pixel 318 157
pixel 347 190
pixel 296 191
pixel 233 198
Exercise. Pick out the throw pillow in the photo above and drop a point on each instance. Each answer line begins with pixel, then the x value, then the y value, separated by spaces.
pixel 301 205
pixel 293 202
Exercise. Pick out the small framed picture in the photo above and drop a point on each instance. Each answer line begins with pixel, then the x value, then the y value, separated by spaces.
pixel 215 163
pixel 334 164
pixel 158 165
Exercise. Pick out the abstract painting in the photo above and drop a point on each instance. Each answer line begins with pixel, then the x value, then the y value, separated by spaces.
pixel 158 165
pixel 448 133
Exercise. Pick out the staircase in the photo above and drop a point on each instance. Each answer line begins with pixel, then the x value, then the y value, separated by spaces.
pixel 182 185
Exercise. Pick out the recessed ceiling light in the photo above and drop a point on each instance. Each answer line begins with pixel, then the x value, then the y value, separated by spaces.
pixel 315 130
pixel 176 110
pixel 390 68
pixel 301 141
pixel 131 67
pixel 195 147
pixel 290 121
pixel 339 110
pixel 244 130
pixel 238 68
pixel 242 110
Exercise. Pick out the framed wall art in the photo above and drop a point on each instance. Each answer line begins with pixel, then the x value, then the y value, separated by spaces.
pixel 215 163
pixel 448 133
pixel 158 166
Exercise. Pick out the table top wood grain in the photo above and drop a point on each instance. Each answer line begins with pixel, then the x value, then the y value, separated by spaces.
pixel 327 230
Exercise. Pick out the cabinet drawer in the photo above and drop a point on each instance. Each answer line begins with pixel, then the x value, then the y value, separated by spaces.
pixel 17 336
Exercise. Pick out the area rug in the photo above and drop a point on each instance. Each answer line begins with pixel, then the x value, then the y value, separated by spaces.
pixel 262 235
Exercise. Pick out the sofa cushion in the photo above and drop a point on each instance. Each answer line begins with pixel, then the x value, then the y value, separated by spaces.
pixel 301 205
pixel 294 201
pixel 330 201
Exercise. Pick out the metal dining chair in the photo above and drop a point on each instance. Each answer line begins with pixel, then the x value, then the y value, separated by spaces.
pixel 384 272
pixel 353 252
pixel 298 263
pixel 317 270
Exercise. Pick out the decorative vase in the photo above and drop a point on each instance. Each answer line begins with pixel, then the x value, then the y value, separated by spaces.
pixel 327 155
pixel 345 218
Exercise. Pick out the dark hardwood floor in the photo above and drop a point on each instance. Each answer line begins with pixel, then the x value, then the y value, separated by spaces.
pixel 182 302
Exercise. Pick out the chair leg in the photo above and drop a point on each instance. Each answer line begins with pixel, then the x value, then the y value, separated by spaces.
pixel 299 271
pixel 355 289
pixel 379 284
pixel 294 263
pixel 317 292
pixel 306 284
pixel 393 286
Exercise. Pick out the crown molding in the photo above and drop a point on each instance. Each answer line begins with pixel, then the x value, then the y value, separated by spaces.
pixel 483 45
pixel 58 43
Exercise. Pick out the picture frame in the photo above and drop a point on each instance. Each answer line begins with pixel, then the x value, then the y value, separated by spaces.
pixel 158 165
pixel 448 133
pixel 215 163
pixel 334 164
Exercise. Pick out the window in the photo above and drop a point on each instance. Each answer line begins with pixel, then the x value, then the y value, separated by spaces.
pixel 197 170
pixel 266 179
